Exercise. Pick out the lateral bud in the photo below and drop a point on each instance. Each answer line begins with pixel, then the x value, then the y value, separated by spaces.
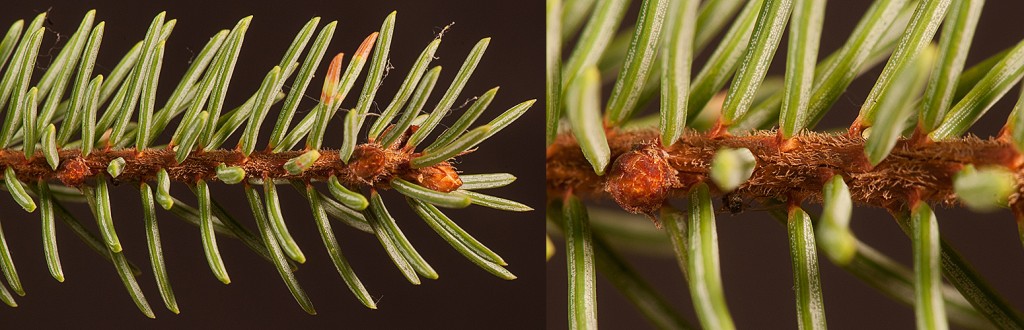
pixel 230 174
pixel 640 180
pixel 441 177
pixel 986 189
pixel 730 168
pixel 297 165
pixel 115 167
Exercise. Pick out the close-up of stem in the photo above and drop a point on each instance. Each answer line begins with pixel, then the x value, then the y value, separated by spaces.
pixel 736 133
pixel 811 159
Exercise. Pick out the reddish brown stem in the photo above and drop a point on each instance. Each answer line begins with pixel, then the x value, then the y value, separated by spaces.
pixel 643 173
pixel 370 165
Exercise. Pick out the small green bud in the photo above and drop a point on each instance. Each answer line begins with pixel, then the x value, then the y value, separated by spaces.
pixel 986 189
pixel 297 165
pixel 115 167
pixel 230 174
pixel 732 167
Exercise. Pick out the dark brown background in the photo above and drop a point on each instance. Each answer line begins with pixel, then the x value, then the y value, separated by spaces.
pixel 754 251
pixel 463 297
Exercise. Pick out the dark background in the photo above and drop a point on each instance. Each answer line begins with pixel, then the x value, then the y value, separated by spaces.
pixel 463 297
pixel 756 270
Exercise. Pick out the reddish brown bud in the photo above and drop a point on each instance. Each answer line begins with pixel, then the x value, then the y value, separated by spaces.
pixel 640 180
pixel 73 172
pixel 369 162
pixel 441 177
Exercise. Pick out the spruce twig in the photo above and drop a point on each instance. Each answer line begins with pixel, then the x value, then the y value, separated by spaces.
pixel 102 115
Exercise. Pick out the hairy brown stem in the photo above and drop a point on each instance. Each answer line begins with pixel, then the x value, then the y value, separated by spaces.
pixel 643 174
pixel 370 166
